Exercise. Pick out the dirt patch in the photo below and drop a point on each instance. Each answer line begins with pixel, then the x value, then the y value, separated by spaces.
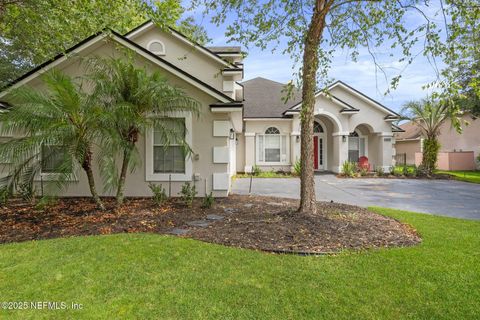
pixel 253 222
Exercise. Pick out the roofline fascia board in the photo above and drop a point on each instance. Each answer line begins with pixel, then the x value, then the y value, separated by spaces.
pixel 225 109
pixel 363 97
pixel 267 119
pixel 47 65
pixel 407 140
pixel 149 23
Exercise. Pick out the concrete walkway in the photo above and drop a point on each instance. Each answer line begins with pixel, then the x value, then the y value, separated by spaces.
pixel 442 197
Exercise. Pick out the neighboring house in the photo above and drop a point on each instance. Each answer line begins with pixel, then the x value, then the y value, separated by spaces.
pixel 241 124
pixel 457 151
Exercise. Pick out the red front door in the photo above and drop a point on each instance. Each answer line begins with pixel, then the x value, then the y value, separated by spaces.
pixel 315 152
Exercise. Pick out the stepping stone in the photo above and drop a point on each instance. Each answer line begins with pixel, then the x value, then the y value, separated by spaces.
pixel 275 203
pixel 214 217
pixel 199 223
pixel 248 205
pixel 229 210
pixel 178 231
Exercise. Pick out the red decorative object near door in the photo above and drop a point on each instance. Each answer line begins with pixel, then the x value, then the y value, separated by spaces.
pixel 315 153
pixel 363 163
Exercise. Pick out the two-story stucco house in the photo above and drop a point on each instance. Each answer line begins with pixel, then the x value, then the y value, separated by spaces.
pixel 242 123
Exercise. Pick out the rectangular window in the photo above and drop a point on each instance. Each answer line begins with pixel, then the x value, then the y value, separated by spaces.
pixel 356 148
pixel 168 154
pixel 53 157
pixel 272 148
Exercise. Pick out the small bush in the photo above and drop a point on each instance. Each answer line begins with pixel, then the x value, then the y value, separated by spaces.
pixel 392 170
pixel 363 171
pixel 159 194
pixel 405 170
pixel 297 168
pixel 26 191
pixel 349 169
pixel 256 170
pixel 5 195
pixel 379 170
pixel 188 193
pixel 208 201
pixel 46 202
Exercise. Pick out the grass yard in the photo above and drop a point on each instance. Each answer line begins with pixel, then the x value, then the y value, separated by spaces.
pixel 148 276
pixel 467 176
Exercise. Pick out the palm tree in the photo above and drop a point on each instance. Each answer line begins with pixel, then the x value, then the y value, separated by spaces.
pixel 134 100
pixel 56 127
pixel 429 116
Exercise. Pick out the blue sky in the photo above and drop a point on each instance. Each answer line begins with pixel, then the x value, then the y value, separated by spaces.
pixel 360 74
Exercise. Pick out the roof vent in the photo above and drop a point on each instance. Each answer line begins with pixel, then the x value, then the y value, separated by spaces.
pixel 156 47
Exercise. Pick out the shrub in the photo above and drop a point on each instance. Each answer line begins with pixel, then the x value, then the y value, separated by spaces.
pixel 159 195
pixel 349 169
pixel 392 170
pixel 256 170
pixel 45 202
pixel 26 191
pixel 405 170
pixel 5 195
pixel 297 168
pixel 208 201
pixel 188 193
pixel 363 171
pixel 379 170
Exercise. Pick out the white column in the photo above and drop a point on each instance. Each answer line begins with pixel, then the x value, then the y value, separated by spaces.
pixel 249 151
pixel 340 150
pixel 385 150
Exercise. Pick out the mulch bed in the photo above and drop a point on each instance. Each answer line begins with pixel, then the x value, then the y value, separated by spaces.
pixel 254 222
pixel 436 176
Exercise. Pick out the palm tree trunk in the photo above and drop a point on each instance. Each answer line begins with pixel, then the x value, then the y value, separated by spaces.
pixel 87 166
pixel 309 79
pixel 127 154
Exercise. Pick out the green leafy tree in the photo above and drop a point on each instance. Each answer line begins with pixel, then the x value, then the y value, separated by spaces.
pixel 134 100
pixel 429 116
pixel 33 32
pixel 56 128
pixel 314 29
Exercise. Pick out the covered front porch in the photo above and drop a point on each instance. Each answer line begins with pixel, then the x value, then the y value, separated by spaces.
pixel 335 143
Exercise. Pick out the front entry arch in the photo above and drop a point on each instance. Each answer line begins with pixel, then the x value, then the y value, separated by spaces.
pixel 319 146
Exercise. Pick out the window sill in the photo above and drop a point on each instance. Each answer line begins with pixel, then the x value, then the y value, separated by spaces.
pixel 273 163
pixel 168 177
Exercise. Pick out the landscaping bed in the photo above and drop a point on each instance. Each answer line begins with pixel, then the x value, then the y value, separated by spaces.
pixel 253 222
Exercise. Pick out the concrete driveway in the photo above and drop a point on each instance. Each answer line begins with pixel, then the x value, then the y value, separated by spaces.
pixel 442 197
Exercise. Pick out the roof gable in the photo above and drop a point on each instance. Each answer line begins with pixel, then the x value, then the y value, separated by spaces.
pixel 147 25
pixel 90 41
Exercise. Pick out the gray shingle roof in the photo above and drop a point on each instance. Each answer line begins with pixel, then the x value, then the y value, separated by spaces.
pixel 263 99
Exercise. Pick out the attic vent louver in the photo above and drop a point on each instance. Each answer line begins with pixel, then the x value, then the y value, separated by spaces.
pixel 156 47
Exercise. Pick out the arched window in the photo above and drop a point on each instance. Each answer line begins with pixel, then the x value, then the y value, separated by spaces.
pixel 272 130
pixel 317 127
pixel 156 47
pixel 272 147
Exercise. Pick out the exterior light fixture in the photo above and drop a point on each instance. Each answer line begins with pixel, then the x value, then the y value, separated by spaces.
pixel 344 138
pixel 231 136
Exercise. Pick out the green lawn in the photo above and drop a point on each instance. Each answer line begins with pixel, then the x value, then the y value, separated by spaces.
pixel 468 176
pixel 147 276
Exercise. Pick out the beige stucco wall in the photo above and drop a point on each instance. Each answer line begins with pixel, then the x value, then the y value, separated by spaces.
pixel 409 147
pixel 468 140
pixel 185 56
pixel 202 133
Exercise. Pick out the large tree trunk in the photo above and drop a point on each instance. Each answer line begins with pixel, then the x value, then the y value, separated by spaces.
pixel 87 166
pixel 309 80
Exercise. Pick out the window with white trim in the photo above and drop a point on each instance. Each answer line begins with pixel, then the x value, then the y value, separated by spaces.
pixel 356 146
pixel 169 156
pixel 272 147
